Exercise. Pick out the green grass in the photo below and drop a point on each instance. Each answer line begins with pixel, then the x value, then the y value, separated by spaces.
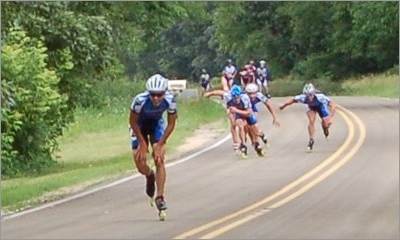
pixel 97 148
pixel 24 192
pixel 378 85
pixel 381 85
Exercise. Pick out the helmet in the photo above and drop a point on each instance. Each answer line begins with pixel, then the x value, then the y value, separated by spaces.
pixel 236 90
pixel 308 88
pixel 157 83
pixel 262 62
pixel 229 61
pixel 251 88
pixel 251 62
pixel 203 70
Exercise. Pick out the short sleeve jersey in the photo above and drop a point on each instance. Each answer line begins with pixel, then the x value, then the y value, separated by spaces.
pixel 242 105
pixel 262 72
pixel 229 70
pixel 142 105
pixel 259 98
pixel 319 100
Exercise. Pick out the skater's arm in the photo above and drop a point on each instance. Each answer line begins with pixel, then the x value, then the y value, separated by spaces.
pixel 216 92
pixel 332 108
pixel 133 119
pixel 247 112
pixel 288 103
pixel 171 121
pixel 271 109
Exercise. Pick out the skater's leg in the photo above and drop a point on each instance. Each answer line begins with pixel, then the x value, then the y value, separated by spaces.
pixel 311 123
pixel 234 133
pixel 160 177
pixel 242 133
pixel 224 84
pixel 143 168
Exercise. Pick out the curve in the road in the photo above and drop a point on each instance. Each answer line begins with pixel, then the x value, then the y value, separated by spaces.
pixel 316 175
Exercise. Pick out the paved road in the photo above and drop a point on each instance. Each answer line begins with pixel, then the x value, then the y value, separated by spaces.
pixel 347 188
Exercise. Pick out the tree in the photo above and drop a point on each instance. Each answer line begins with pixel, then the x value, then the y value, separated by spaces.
pixel 32 108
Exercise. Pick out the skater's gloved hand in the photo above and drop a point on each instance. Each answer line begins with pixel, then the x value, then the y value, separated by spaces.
pixel 159 151
pixel 141 152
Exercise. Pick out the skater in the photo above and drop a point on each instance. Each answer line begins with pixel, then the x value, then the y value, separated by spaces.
pixel 205 81
pixel 317 103
pixel 228 75
pixel 263 78
pixel 147 124
pixel 241 116
pixel 255 97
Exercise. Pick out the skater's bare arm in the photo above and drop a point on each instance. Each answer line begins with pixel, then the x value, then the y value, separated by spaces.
pixel 288 103
pixel 216 92
pixel 171 119
pixel 271 109
pixel 133 119
pixel 247 112
pixel 332 108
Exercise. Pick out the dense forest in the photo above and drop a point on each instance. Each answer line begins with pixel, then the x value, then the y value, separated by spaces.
pixel 52 52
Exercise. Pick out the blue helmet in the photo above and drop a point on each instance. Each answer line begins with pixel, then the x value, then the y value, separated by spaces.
pixel 236 91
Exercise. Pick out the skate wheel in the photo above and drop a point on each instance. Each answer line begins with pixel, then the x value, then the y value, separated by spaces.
pixel 162 215
pixel 151 201
pixel 263 154
pixel 309 149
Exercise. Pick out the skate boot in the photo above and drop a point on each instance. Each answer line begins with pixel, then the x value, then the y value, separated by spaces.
pixel 150 186
pixel 264 139
pixel 268 95
pixel 326 132
pixel 243 150
pixel 260 152
pixel 236 148
pixel 161 207
pixel 310 145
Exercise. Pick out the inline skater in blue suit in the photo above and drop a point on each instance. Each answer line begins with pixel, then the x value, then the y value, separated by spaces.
pixel 148 128
pixel 317 103
pixel 256 97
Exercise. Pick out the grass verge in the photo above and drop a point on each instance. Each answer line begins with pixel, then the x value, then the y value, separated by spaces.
pixel 96 149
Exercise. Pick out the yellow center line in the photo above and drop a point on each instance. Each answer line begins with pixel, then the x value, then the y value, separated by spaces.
pixel 299 192
pixel 283 190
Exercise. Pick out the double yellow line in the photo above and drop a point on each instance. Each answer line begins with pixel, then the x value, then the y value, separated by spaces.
pixel 315 176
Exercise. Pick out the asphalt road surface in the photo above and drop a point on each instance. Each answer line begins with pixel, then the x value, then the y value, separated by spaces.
pixel 347 188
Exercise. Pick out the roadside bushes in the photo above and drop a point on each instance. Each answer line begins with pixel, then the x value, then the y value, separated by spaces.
pixel 31 105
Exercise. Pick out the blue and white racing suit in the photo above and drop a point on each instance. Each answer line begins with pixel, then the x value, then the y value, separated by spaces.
pixel 262 76
pixel 150 120
pixel 319 103
pixel 259 98
pixel 242 105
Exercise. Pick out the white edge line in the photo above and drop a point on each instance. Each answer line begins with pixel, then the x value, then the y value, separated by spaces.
pixel 79 195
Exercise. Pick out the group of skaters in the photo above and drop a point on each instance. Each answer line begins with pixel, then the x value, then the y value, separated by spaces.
pixel 242 90
pixel 148 128
pixel 231 75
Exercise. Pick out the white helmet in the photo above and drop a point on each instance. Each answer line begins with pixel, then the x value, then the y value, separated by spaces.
pixel 308 88
pixel 157 83
pixel 262 62
pixel 251 88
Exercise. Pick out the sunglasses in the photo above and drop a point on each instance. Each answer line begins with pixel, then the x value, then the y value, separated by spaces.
pixel 157 94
